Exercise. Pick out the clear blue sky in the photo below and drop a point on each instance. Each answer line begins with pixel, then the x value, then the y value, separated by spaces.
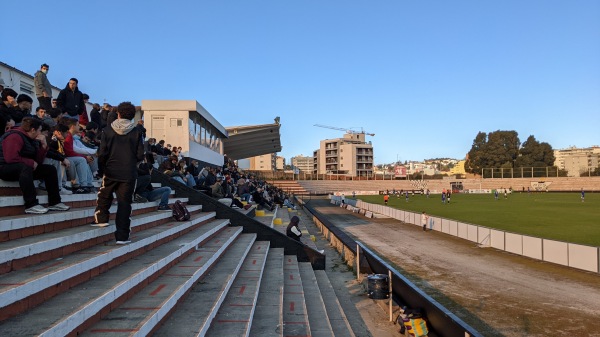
pixel 424 76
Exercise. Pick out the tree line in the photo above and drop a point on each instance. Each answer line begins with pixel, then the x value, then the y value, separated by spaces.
pixel 503 149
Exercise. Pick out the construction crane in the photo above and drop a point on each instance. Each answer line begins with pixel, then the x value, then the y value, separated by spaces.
pixel 345 130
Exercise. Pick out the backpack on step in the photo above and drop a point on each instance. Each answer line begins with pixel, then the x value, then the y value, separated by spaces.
pixel 180 212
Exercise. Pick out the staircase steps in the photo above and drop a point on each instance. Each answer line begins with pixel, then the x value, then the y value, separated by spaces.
pixel 195 314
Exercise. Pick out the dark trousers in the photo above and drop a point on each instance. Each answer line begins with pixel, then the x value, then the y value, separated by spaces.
pixel 124 191
pixel 142 183
pixel 45 102
pixel 25 175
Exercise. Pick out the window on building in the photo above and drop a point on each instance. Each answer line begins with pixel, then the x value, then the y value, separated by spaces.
pixel 26 88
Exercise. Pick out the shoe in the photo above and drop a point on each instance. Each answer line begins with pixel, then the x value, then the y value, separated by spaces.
pixel 247 206
pixel 42 187
pixel 322 251
pixel 99 224
pixel 59 207
pixel 80 190
pixel 37 209
pixel 90 189
pixel 138 198
pixel 65 192
pixel 124 242
pixel 164 208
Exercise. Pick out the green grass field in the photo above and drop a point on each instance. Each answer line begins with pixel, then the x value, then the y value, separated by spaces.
pixel 558 216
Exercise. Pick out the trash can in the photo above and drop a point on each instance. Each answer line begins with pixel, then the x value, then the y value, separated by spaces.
pixel 378 287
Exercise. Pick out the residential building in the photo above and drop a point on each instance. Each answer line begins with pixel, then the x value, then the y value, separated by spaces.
pixel 302 163
pixel 350 155
pixel 267 162
pixel 577 161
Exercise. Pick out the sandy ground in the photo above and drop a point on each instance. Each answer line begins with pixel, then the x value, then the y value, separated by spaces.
pixel 497 293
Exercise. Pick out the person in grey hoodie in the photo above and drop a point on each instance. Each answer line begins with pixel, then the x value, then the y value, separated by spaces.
pixel 121 150
pixel 43 89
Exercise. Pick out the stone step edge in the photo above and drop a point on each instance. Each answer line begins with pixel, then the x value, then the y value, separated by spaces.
pixel 154 321
pixel 256 292
pixel 37 285
pixel 87 312
pixel 313 297
pixel 325 286
pixel 26 221
pixel 39 247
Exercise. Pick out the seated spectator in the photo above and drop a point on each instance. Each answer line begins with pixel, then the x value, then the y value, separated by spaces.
pixel 22 152
pixel 145 190
pixel 292 230
pixel 40 113
pixel 168 166
pixel 9 108
pixel 258 198
pixel 55 157
pixel 180 175
pixel 223 195
pixel 243 191
pixel 194 170
pixel 74 149
pixel 24 103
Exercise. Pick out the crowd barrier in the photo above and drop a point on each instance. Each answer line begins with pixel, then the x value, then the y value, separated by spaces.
pixel 563 253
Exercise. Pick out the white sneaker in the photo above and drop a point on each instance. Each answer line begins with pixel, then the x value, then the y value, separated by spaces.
pixel 37 209
pixel 59 207
pixel 100 224
pixel 123 242
pixel 64 191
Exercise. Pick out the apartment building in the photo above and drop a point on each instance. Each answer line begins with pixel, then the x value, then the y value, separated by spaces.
pixel 577 161
pixel 350 155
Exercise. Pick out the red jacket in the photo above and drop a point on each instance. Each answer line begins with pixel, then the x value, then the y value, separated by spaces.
pixel 12 145
pixel 68 147
pixel 83 118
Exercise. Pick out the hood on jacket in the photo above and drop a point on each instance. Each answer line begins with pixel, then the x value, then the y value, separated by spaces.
pixel 123 126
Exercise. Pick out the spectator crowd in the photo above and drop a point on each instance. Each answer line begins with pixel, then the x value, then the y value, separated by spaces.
pixel 64 149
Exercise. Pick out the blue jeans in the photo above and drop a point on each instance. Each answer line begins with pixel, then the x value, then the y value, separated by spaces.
pixel 161 193
pixel 190 180
pixel 81 170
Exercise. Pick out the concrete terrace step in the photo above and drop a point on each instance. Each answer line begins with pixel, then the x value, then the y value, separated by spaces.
pixel 21 284
pixel 19 253
pixel 317 314
pixel 70 312
pixel 295 319
pixel 43 280
pixel 268 318
pixel 337 317
pixel 195 314
pixel 23 225
pixel 236 314
pixel 143 313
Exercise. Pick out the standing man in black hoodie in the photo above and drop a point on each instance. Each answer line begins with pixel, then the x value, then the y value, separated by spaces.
pixel 121 149
pixel 70 100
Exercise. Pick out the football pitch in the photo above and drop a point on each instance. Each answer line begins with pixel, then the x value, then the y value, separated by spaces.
pixel 557 216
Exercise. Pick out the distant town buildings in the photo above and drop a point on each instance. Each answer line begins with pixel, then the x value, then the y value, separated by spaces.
pixel 267 162
pixel 577 161
pixel 350 155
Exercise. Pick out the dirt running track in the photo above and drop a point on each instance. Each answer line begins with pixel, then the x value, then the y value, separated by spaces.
pixel 498 293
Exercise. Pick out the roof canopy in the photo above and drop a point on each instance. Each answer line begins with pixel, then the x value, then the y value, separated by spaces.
pixel 252 140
